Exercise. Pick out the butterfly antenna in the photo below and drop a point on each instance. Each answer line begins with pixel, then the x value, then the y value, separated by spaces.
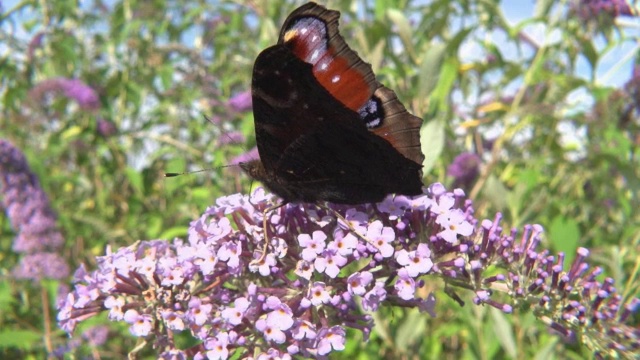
pixel 174 174
pixel 208 119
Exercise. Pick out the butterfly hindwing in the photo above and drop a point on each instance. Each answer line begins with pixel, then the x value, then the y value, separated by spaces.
pixel 319 166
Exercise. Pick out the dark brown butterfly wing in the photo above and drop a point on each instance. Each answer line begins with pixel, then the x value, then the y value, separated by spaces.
pixel 318 166
pixel 325 128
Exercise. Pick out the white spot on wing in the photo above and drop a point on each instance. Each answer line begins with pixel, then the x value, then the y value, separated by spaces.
pixel 314 55
pixel 373 123
pixel 335 79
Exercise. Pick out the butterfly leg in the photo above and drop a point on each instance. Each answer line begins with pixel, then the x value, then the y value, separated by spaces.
pixel 346 222
pixel 258 261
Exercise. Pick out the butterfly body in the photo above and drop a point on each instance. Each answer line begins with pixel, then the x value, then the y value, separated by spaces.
pixel 326 129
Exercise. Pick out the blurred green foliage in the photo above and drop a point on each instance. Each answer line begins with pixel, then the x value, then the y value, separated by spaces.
pixel 159 66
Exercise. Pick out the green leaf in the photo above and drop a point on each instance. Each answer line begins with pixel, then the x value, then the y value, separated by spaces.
pixel 176 231
pixel 411 328
pixel 564 234
pixel 405 30
pixel 432 142
pixel 448 75
pixel 134 93
pixel 136 180
pixel 547 352
pixel 453 45
pixel 504 333
pixel 153 227
pixel 201 194
pixel 496 192
pixel 66 51
pixel 166 75
pixel 590 53
pixel 21 339
pixel 430 69
pixel 6 295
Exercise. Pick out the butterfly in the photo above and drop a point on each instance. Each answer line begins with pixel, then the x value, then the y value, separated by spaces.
pixel 326 129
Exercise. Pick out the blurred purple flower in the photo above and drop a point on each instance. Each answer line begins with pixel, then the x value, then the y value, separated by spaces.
pixel 66 348
pixel 230 303
pixel 42 265
pixel 465 169
pixel 246 157
pixel 96 335
pixel 592 9
pixel 241 101
pixel 632 88
pixel 106 128
pixel 75 89
pixel 86 97
pixel 232 137
pixel 27 207
pixel 34 44
pixel 487 144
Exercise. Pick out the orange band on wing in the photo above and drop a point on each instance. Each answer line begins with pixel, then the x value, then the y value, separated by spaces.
pixel 334 73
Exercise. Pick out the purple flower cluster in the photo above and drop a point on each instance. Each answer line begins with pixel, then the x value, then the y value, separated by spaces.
pixel 251 154
pixel 570 301
pixel 106 128
pixel 465 169
pixel 34 44
pixel 592 9
pixel 75 89
pixel 241 101
pixel 27 207
pixel 324 265
pixel 231 137
pixel 632 90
